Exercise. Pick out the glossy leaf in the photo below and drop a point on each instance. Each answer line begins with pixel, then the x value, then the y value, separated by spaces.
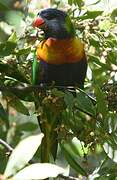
pixel 84 103
pixel 111 153
pixel 72 160
pixel 22 154
pixel 39 171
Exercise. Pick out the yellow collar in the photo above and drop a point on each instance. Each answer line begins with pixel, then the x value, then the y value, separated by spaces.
pixel 55 51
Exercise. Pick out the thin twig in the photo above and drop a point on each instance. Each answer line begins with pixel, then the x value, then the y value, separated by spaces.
pixel 6 145
pixel 68 177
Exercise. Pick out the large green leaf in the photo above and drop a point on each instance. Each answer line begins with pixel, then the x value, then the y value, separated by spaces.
pixel 101 101
pixel 84 103
pixel 22 154
pixel 39 171
pixel 7 48
pixel 72 160
pixel 90 15
pixel 14 102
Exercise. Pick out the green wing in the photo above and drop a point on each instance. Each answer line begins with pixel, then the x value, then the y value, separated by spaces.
pixel 35 70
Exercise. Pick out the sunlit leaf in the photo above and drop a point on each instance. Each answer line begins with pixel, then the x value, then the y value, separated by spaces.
pixel 21 155
pixel 72 160
pixel 91 15
pixel 39 171
pixel 111 153
pixel 13 38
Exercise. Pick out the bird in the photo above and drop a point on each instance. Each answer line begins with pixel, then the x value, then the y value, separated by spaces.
pixel 61 55
pixel 60 59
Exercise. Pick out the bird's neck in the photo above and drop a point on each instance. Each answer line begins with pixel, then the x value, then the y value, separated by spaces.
pixel 58 51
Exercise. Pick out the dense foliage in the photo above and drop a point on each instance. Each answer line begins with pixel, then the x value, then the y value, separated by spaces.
pixel 88 132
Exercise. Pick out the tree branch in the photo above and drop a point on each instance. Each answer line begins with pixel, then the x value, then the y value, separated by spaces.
pixel 6 145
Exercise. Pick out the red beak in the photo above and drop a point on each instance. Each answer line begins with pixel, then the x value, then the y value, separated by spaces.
pixel 38 22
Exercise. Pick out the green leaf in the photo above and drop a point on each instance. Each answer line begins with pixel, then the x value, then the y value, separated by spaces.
pixel 69 99
pixel 19 106
pixel 101 102
pixel 13 71
pixel 4 6
pixel 114 14
pixel 72 160
pixel 16 103
pixel 3 114
pixel 111 153
pixel 23 51
pixel 22 154
pixel 96 60
pixel 105 25
pixel 13 38
pixel 39 171
pixel 7 48
pixel 28 126
pixel 80 3
pixel 70 2
pixel 84 103
pixel 91 15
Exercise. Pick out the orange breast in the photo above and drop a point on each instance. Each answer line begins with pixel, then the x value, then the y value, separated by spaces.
pixel 55 51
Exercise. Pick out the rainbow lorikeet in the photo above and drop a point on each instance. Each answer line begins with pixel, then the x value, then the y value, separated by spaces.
pixel 60 56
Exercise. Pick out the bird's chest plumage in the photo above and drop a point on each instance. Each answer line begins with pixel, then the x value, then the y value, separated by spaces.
pixel 55 51
pixel 62 62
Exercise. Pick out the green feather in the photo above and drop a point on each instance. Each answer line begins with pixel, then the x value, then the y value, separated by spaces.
pixel 35 70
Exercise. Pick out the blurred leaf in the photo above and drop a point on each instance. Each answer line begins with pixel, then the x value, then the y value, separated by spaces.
pixel 95 2
pixel 39 171
pixel 14 102
pixel 114 14
pixel 69 99
pixel 23 51
pixel 80 3
pixel 72 161
pixel 91 15
pixel 13 38
pixel 3 114
pixel 111 153
pixel 101 101
pixel 84 103
pixel 96 60
pixel 19 106
pixel 7 48
pixel 70 2
pixel 28 126
pixel 105 25
pixel 4 6
pixel 22 154
pixel 13 71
